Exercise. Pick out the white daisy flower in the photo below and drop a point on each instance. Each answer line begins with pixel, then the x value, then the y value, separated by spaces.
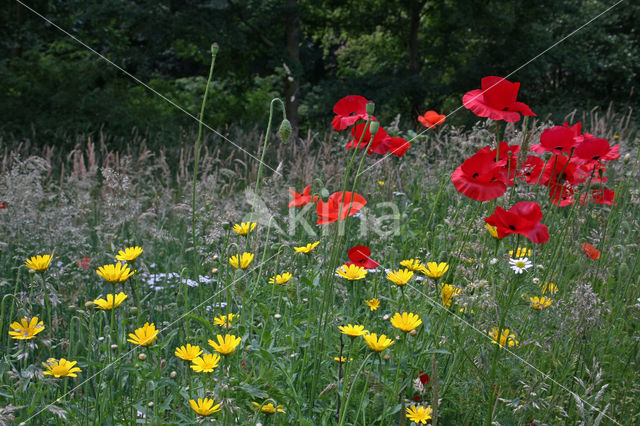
pixel 520 265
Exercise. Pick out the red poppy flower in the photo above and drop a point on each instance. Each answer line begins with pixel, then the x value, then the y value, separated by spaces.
pixel 599 196
pixel 590 251
pixel 561 194
pixel 303 199
pixel 431 119
pixel 523 218
pixel 496 100
pixel 561 169
pixel 349 110
pixel 596 149
pixel 558 139
pixel 339 206
pixel 531 170
pixel 84 262
pixel 2 205
pixel 481 177
pixel 381 144
pixel 359 256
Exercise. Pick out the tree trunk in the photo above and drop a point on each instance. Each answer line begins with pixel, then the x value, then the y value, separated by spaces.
pixel 294 67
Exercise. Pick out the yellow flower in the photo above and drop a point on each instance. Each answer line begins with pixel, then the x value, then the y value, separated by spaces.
pixel 341 359
pixel 520 252
pixel 373 304
pixel 145 335
pixel 110 303
pixel 376 344
pixel 492 230
pixel 62 368
pixel 506 338
pixel 549 287
pixel 400 277
pixel 435 270
pixel 353 330
pixel 39 263
pixel 25 330
pixel 381 182
pixel 280 279
pixel 225 345
pixel 413 264
pixel 352 272
pixel 406 322
pixel 116 273
pixel 204 407
pixel 447 293
pixel 539 303
pixel 129 254
pixel 244 227
pixel 306 249
pixel 419 414
pixel 224 320
pixel 241 261
pixel 205 363
pixel 188 352
pixel 268 408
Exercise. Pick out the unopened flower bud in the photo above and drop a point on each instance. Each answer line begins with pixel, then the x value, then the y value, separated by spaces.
pixel 386 357
pixel 277 316
pixel 373 127
pixel 285 130
pixel 151 404
pixel 214 49
pixel 142 357
pixel 100 339
pixel 385 317
pixel 413 332
pixel 163 363
pixel 626 158
pixel 88 304
pixel 173 374
pixel 371 107
pixel 114 346
pixel 214 270
pixel 324 193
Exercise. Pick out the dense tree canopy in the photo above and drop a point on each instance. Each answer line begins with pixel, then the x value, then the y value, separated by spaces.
pixel 407 55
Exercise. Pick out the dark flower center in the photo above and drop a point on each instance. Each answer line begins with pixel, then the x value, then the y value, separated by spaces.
pixel 595 157
pixel 513 228
pixel 475 175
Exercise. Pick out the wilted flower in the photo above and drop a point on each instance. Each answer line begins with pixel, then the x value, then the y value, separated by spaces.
pixel 493 231
pixel 25 329
pixel 447 293
pixel 268 408
pixel 241 261
pixel 548 287
pixel 539 303
pixel 520 252
pixel 39 263
pixel 506 338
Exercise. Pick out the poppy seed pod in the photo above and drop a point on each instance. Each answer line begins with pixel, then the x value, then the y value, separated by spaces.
pixel 373 127
pixel 370 107
pixel 285 130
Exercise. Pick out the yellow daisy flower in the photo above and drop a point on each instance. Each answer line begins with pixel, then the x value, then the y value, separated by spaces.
pixel 129 254
pixel 226 344
pixel 205 363
pixel 244 227
pixel 188 353
pixel 280 279
pixel 115 273
pixel 306 249
pixel 373 304
pixel 400 277
pixel 353 330
pixel 62 368
pixel 413 265
pixel 520 252
pixel 435 270
pixel 377 344
pixel 25 329
pixel 111 302
pixel 39 263
pixel 539 303
pixel 493 231
pixel 268 408
pixel 241 261
pixel 145 335
pixel 224 320
pixel 506 338
pixel 419 414
pixel 352 272
pixel 204 407
pixel 406 322
pixel 447 293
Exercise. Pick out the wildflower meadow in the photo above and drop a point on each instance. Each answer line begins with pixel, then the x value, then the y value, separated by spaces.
pixel 378 274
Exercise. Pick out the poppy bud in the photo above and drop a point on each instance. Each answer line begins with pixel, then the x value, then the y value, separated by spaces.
pixel 373 127
pixel 173 374
pixel 371 107
pixel 214 48
pixel 285 130
pixel 142 357
pixel 324 193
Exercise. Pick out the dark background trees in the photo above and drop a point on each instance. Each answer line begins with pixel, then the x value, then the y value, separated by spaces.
pixel 407 55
